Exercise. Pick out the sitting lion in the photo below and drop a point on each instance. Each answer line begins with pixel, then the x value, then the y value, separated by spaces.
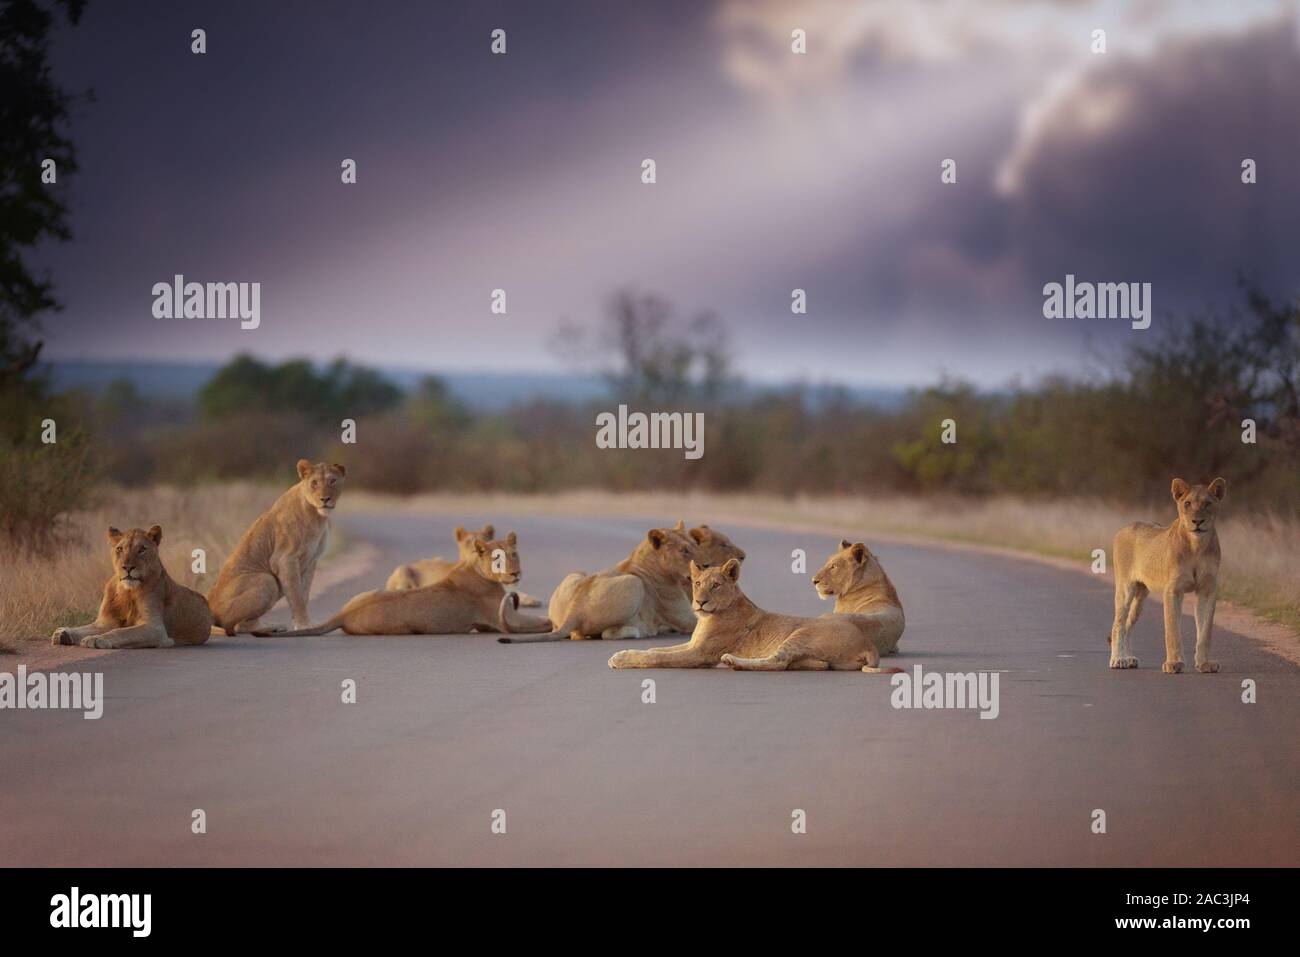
pixel 863 593
pixel 142 606
pixel 471 596
pixel 1174 560
pixel 426 571
pixel 735 632
pixel 278 554
pixel 644 595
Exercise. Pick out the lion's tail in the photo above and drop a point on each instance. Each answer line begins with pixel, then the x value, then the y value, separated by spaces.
pixel 325 629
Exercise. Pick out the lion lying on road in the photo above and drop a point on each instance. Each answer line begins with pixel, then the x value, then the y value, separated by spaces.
pixel 735 632
pixel 472 596
pixel 1174 560
pixel 278 554
pixel 426 571
pixel 644 595
pixel 863 593
pixel 142 606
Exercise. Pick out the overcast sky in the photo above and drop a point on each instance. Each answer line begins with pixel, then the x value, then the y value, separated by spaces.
pixel 775 171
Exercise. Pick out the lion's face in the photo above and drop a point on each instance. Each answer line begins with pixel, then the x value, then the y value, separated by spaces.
pixel 714 590
pixel 498 560
pixel 321 485
pixel 850 565
pixel 465 541
pixel 1198 505
pixel 713 547
pixel 135 556
pixel 672 550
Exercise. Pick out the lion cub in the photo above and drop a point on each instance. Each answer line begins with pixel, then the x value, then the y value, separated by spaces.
pixel 1174 560
pixel 472 596
pixel 733 631
pixel 864 593
pixel 426 571
pixel 644 595
pixel 277 556
pixel 142 606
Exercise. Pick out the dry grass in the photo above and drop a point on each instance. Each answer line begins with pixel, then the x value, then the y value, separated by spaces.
pixel 40 592
pixel 1261 551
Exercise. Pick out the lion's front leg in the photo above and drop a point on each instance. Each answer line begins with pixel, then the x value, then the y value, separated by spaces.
pixel 673 656
pixel 103 622
pixel 1173 640
pixel 74 636
pixel 147 635
pixel 1205 601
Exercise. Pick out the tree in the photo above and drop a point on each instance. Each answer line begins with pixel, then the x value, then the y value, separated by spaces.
pixel 33 111
pixel 657 360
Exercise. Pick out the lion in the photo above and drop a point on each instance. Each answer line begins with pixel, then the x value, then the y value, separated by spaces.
pixel 733 631
pixel 142 607
pixel 277 555
pixel 471 596
pixel 863 592
pixel 426 571
pixel 644 595
pixel 713 547
pixel 1173 559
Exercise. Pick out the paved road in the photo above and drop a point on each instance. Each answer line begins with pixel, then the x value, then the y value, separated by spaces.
pixel 448 729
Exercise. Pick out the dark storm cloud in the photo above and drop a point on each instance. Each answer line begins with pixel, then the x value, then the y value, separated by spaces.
pixel 775 172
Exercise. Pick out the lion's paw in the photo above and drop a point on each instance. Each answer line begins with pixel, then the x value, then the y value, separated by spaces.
pixel 1172 667
pixel 1208 667
pixel 62 636
pixel 89 642
pixel 729 660
pixel 619 658
pixel 1122 663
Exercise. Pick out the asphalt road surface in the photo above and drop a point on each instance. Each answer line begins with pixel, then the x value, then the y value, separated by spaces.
pixel 448 730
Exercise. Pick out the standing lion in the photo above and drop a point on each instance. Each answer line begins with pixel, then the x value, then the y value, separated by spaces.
pixel 1174 560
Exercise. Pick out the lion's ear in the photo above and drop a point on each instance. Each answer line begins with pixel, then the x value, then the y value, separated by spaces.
pixel 1178 489
pixel 859 553
pixel 1219 488
pixel 343 473
pixel 304 468
pixel 732 569
pixel 845 543
pixel 489 531
pixel 680 526
pixel 113 533
pixel 460 533
pixel 656 537
pixel 699 533
pixel 695 569
pixel 512 539
pixel 155 533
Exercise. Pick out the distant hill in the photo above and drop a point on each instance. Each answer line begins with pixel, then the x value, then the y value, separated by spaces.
pixel 484 391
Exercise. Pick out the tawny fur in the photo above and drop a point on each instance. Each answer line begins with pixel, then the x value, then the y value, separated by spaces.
pixel 426 571
pixel 142 606
pixel 277 555
pixel 646 594
pixel 863 593
pixel 733 631
pixel 1173 560
pixel 471 597
pixel 713 547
